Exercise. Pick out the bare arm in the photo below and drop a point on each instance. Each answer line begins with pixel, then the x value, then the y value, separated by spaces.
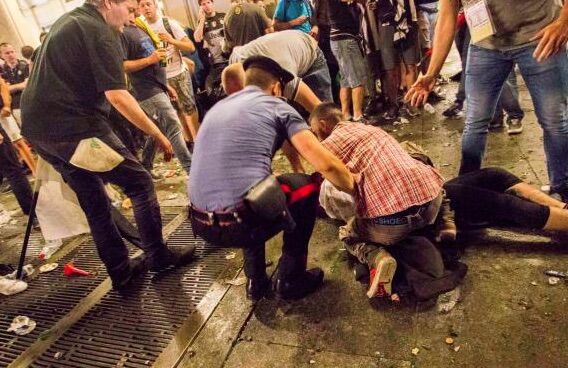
pixel 306 97
pixel 443 39
pixel 127 105
pixel 6 99
pixel 183 45
pixel 552 37
pixel 18 87
pixel 198 34
pixel 131 66
pixel 323 161
pixel 282 26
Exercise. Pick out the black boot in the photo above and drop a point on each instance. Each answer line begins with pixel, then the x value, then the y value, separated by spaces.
pixel 172 257
pixel 298 286
pixel 257 287
pixel 136 266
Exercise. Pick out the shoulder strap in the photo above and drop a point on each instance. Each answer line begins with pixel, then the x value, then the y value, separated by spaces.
pixel 167 26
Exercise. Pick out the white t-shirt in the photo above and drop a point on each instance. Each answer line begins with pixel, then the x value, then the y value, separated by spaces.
pixel 175 63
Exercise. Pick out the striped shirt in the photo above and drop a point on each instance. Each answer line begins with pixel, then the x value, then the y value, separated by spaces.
pixel 390 181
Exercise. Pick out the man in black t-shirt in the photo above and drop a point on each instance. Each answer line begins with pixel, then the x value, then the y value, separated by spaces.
pixel 15 72
pixel 210 29
pixel 65 116
pixel 150 87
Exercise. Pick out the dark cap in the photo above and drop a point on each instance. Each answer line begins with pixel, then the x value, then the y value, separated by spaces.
pixel 270 66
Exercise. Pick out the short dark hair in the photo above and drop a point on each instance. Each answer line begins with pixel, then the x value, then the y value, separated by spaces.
pixel 4 44
pixel 259 77
pixel 27 51
pixel 200 1
pixel 328 112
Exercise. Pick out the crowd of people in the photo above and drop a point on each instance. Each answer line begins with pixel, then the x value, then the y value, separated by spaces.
pixel 315 79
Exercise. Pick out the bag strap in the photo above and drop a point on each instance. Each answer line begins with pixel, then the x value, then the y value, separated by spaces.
pixel 168 26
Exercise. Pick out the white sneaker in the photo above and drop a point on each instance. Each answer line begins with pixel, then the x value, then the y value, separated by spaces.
pixel 514 126
pixel 382 273
pixel 11 287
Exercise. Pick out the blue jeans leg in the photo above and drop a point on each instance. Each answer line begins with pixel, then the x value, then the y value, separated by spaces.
pixel 318 78
pixel 486 72
pixel 547 83
pixel 509 100
pixel 160 108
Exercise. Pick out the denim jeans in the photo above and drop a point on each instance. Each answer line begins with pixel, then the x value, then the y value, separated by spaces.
pixel 135 182
pixel 547 82
pixel 160 109
pixel 318 78
pixel 462 40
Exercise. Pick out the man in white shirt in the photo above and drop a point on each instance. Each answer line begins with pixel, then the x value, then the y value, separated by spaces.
pixel 177 73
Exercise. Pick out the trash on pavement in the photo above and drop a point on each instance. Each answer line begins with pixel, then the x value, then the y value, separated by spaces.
pixel 237 282
pixel 70 270
pixel 48 267
pixel 22 325
pixel 50 247
pixel 553 281
pixel 11 287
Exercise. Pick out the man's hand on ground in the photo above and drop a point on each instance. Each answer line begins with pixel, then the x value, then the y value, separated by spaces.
pixel 165 146
pixel 417 95
pixel 552 39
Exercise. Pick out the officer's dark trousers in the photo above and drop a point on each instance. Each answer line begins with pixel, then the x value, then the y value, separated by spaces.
pixel 252 233
pixel 136 183
pixel 11 169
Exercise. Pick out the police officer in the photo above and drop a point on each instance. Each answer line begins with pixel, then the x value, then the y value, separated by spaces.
pixel 231 188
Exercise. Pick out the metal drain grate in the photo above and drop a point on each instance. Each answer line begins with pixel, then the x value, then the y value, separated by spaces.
pixel 50 297
pixel 132 330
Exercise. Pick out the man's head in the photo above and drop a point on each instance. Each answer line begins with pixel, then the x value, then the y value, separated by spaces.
pixel 27 52
pixel 115 12
pixel 233 78
pixel 207 6
pixel 324 118
pixel 267 74
pixel 8 53
pixel 149 9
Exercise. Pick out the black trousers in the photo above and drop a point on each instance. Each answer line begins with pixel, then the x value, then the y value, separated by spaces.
pixel 481 196
pixel 252 233
pixel 11 169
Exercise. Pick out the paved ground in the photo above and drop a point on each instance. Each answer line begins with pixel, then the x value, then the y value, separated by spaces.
pixel 509 316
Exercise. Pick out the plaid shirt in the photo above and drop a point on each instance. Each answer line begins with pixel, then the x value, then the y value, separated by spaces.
pixel 390 180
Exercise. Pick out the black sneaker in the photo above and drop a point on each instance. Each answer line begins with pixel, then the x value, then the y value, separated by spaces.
pixel 172 257
pixel 373 107
pixel 299 286
pixel 136 267
pixel 456 77
pixel 496 123
pixel 454 110
pixel 257 287
pixel 4 187
pixel 391 114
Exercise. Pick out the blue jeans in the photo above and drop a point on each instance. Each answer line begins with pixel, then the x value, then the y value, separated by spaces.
pixel 509 100
pixel 547 82
pixel 135 182
pixel 160 109
pixel 318 78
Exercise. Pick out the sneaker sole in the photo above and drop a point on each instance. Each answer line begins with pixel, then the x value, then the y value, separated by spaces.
pixel 515 131
pixel 385 273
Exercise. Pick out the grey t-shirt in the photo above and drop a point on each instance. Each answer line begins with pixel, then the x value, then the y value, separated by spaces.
pixel 517 21
pixel 243 23
pixel 235 146
pixel 294 50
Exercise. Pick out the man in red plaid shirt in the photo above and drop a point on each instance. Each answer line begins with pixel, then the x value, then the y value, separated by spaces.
pixel 397 194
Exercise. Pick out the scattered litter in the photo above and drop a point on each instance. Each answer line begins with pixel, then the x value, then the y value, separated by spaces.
pixel 553 281
pixel 172 196
pixel 11 287
pixel 70 270
pixel 169 173
pixel 48 267
pixel 22 325
pixel 429 108
pixel 378 353
pixel 556 274
pixel 13 222
pixel 415 351
pixel 433 128
pixel 127 204
pixel 172 187
pixel 426 347
pixel 231 255
pixel 448 301
pixel 395 298
pixel 269 263
pixel 4 216
pixel 446 165
pixel 449 340
pixel 534 283
pixel 237 282
pixel 50 247
pixel 401 121
pixel 312 361
pixel 457 348
pixel 58 355
pixel 447 144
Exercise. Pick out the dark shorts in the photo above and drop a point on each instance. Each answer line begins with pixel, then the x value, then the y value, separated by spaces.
pixel 184 88
pixel 405 51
